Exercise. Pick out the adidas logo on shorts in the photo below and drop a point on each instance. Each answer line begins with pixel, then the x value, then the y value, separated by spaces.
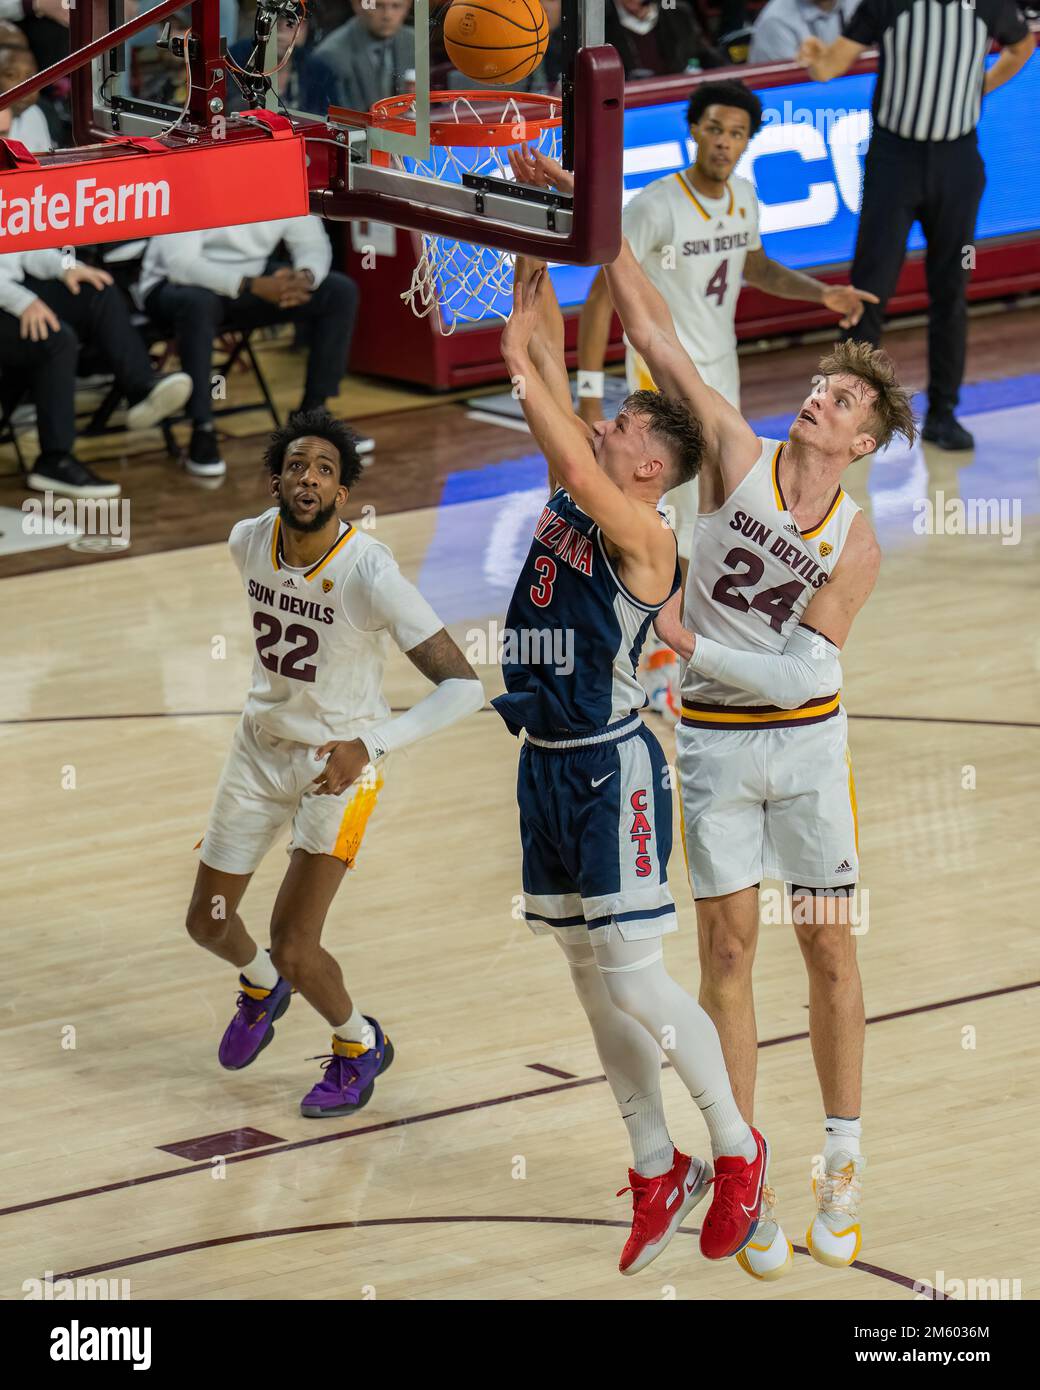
pixel 844 867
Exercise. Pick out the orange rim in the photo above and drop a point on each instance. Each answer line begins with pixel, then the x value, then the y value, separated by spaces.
pixel 532 112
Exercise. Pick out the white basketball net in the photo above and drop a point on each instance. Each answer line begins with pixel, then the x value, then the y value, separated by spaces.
pixel 468 281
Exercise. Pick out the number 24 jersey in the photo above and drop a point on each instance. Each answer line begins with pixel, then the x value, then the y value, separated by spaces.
pixel 754 572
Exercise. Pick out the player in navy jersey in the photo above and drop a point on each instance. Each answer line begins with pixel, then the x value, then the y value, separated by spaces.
pixel 593 787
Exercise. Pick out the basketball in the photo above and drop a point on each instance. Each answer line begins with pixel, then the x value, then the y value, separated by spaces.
pixel 496 40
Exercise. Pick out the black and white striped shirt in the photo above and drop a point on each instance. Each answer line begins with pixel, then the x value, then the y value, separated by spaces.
pixel 931 65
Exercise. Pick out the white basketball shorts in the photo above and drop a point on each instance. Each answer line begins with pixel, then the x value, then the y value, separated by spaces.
pixel 768 803
pixel 266 782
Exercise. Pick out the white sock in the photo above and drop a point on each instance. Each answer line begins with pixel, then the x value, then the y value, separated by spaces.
pixel 652 1149
pixel 357 1029
pixel 843 1136
pixel 260 972
pixel 631 1061
pixel 639 984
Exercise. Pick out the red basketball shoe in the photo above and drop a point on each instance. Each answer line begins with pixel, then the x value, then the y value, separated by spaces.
pixel 731 1219
pixel 658 1207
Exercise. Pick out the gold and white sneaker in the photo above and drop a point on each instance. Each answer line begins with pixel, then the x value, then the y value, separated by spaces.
pixel 834 1237
pixel 769 1254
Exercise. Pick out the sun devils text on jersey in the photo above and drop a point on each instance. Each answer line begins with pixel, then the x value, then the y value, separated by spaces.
pixel 321 635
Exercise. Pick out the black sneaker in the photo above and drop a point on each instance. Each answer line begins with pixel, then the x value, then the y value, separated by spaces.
pixel 947 433
pixel 70 478
pixel 204 459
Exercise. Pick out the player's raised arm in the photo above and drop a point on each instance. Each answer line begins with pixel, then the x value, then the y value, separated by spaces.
pixel 565 440
pixel 729 441
pixel 546 348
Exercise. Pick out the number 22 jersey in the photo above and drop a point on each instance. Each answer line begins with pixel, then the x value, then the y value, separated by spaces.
pixel 752 577
pixel 322 633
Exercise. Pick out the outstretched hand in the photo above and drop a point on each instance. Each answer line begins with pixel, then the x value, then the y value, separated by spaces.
pixel 529 279
pixel 531 166
pixel 848 301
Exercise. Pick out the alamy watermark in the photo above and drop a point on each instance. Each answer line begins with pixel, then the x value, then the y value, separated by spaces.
pixel 525 646
pixel 77 516
pixel 969 516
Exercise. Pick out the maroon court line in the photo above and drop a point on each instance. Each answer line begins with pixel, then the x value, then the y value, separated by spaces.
pixel 406 1120
pixel 88 1271
pixel 915 1009
pixel 551 1071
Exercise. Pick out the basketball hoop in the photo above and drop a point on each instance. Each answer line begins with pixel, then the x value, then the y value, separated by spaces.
pixel 470 134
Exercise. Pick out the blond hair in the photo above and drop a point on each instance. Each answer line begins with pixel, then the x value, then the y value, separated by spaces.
pixel 890 410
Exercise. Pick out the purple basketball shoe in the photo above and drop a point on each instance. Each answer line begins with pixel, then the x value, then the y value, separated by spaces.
pixel 252 1027
pixel 350 1076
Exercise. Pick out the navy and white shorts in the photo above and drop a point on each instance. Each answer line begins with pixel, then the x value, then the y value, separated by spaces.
pixel 596 833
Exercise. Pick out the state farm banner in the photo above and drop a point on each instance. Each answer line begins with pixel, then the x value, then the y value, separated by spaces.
pixel 147 191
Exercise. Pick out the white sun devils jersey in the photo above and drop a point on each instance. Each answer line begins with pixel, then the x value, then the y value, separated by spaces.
pixel 693 249
pixel 321 634
pixel 752 578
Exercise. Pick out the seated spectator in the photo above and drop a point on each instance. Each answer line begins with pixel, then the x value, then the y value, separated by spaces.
pixel 46 311
pixel 10 35
pixel 306 83
pixel 654 40
pixel 45 24
pixel 28 123
pixel 783 24
pixel 199 283
pixel 372 54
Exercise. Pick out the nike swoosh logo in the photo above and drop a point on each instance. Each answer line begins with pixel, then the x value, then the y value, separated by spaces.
pixel 691 1187
pixel 598 781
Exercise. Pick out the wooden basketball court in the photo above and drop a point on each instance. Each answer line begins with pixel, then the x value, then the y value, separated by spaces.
pixel 486 1165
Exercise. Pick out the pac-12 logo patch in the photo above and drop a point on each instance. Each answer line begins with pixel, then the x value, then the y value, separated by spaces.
pixel 326 584
pixel 825 547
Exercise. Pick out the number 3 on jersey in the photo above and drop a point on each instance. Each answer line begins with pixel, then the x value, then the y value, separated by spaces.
pixel 541 593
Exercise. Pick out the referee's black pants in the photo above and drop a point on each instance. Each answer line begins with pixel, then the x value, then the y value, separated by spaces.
pixel 938 183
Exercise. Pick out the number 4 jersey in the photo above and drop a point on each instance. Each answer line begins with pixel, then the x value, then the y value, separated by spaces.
pixel 752 577
pixel 321 633
pixel 693 249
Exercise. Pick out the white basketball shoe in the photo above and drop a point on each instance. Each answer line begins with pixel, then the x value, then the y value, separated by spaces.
pixel 834 1237
pixel 769 1254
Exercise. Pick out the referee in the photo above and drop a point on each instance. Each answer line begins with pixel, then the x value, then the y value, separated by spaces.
pixel 923 162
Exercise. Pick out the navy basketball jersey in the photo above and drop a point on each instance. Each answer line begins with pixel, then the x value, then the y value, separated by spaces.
pixel 573 631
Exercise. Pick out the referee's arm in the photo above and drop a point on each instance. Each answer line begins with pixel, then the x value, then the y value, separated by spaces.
pixel 825 61
pixel 1011 60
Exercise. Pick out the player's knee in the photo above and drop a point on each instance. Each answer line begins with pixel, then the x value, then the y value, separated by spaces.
pixel 829 954
pixel 205 922
pixel 588 986
pixel 292 959
pixel 726 957
pixel 628 993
